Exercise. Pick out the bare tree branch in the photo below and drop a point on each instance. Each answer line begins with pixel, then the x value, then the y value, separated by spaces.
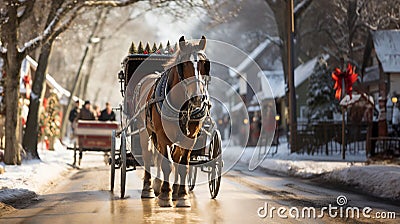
pixel 120 3
pixel 50 29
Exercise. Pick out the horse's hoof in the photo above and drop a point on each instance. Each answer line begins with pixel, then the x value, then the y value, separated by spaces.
pixel 183 203
pixel 165 202
pixel 148 193
pixel 175 196
pixel 175 189
pixel 157 186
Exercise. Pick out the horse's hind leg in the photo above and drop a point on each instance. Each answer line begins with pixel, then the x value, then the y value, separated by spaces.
pixel 146 144
pixel 183 168
pixel 164 199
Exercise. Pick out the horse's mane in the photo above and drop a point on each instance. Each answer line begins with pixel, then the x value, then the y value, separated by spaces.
pixel 172 62
pixel 190 47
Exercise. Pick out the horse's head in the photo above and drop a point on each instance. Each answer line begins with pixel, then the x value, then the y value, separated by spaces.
pixel 193 70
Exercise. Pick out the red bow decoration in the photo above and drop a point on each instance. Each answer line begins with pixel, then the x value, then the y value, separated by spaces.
pixel 27 79
pixel 349 76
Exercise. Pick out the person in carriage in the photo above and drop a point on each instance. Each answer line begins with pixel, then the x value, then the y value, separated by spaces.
pixel 85 112
pixel 107 114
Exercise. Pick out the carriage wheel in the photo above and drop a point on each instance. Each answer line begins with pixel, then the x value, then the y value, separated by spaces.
pixel 123 164
pixel 214 176
pixel 192 177
pixel 112 159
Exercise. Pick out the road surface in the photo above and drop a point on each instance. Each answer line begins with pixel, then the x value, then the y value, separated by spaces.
pixel 84 197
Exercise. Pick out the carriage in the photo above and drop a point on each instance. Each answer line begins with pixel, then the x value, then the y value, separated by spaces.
pixel 92 136
pixel 126 151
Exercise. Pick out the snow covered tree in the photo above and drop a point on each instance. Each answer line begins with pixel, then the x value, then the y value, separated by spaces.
pixel 140 49
pixel 132 49
pixel 321 93
pixel 154 49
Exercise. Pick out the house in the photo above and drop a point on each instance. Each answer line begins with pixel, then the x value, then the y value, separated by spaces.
pixel 381 68
pixel 276 83
pixel 27 73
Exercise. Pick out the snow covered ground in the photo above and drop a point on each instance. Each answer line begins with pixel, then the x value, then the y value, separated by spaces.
pixel 34 176
pixel 378 180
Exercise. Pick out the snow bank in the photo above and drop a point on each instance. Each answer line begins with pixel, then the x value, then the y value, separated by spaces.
pixel 378 180
pixel 304 166
pixel 34 175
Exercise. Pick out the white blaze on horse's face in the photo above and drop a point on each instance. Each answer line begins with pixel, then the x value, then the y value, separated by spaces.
pixel 193 81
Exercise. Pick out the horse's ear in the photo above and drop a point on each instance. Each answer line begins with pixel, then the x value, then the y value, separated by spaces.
pixel 202 43
pixel 182 43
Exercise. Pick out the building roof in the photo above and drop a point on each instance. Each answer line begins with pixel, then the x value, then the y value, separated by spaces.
pixel 277 83
pixel 253 56
pixel 387 48
pixel 62 93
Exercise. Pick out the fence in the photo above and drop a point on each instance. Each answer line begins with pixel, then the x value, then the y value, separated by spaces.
pixel 326 138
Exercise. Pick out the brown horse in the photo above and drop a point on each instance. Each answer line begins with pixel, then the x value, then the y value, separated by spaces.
pixel 176 107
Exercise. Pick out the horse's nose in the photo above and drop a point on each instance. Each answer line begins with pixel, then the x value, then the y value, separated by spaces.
pixel 197 101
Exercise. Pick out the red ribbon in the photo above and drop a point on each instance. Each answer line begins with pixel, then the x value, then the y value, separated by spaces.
pixel 27 79
pixel 349 76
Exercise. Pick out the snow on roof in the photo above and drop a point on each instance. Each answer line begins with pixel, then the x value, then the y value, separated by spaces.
pixel 301 74
pixel 387 47
pixel 58 89
pixel 252 56
pixel 346 101
pixel 276 84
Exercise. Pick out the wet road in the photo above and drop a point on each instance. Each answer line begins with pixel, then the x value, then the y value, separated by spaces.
pixel 84 197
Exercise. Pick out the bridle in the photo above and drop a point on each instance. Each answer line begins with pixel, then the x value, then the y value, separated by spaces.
pixel 191 113
pixel 193 57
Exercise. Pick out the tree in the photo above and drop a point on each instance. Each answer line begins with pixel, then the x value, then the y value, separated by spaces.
pixel 12 51
pixel 280 11
pixel 320 94
pixel 343 26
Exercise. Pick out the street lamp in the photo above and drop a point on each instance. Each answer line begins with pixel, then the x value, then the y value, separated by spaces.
pixel 394 125
pixel 394 100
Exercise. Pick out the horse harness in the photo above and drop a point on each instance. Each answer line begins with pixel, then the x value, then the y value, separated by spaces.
pixel 167 111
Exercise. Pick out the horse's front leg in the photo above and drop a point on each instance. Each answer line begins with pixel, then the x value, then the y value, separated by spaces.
pixel 183 169
pixel 157 180
pixel 146 144
pixel 164 199
pixel 176 158
pixel 175 186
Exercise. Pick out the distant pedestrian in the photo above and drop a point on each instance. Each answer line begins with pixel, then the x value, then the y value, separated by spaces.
pixel 73 114
pixel 396 119
pixel 107 114
pixel 86 113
